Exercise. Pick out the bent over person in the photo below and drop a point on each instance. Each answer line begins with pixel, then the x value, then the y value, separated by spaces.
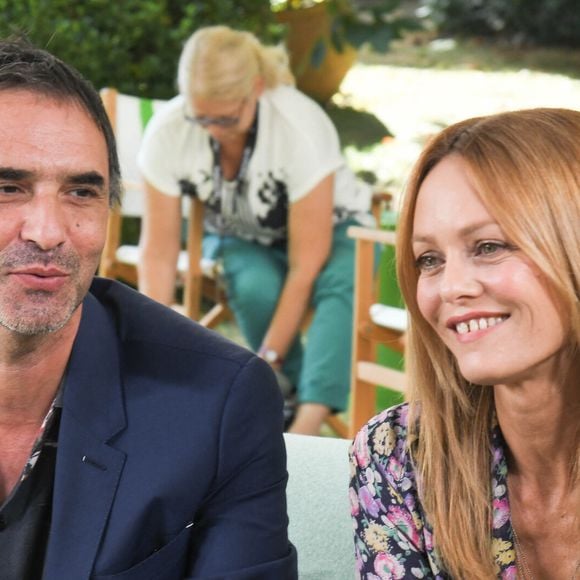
pixel 135 444
pixel 265 160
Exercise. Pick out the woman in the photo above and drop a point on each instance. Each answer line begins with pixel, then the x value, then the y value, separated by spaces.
pixel 477 475
pixel 266 162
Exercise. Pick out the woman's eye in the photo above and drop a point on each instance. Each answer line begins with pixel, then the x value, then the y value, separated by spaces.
pixel 427 262
pixel 489 248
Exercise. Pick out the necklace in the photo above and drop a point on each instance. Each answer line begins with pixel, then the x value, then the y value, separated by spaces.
pixel 240 178
pixel 522 562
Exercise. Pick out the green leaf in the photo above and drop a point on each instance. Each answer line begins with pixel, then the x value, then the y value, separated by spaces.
pixel 337 38
pixel 318 53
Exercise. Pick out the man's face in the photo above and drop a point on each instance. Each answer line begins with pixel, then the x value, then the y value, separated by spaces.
pixel 54 201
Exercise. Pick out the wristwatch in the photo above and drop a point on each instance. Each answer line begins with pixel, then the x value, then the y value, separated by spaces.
pixel 270 356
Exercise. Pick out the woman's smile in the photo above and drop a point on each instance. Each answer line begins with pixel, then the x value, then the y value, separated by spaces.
pixel 485 299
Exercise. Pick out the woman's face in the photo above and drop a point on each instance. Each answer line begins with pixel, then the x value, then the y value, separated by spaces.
pixel 487 302
pixel 226 120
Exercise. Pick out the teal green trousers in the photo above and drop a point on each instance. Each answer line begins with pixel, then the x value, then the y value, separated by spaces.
pixel 318 363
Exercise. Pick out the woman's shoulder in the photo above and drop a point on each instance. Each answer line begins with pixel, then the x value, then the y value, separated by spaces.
pixel 287 96
pixel 167 142
pixel 383 438
pixel 169 117
pixel 296 109
pixel 395 418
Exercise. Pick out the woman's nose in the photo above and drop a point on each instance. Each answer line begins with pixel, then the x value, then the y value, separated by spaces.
pixel 459 280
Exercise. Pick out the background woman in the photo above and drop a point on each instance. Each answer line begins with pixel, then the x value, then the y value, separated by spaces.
pixel 477 475
pixel 265 160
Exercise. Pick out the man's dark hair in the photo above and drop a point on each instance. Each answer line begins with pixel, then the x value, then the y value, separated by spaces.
pixel 25 67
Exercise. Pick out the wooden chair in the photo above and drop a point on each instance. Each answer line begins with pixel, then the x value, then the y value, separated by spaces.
pixel 129 116
pixel 374 324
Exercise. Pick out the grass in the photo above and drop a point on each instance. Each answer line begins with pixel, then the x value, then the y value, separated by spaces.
pixel 422 50
pixel 423 84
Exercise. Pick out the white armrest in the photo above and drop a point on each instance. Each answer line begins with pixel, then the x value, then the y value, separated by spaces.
pixel 208 266
pixel 389 317
pixel 130 255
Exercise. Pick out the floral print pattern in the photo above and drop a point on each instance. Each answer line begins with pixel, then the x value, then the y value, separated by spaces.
pixel 40 441
pixel 392 536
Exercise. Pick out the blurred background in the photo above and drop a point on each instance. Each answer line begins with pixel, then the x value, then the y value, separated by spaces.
pixel 390 73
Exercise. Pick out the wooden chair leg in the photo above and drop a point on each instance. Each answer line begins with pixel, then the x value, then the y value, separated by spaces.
pixel 363 406
pixel 338 426
pixel 194 275
pixel 217 314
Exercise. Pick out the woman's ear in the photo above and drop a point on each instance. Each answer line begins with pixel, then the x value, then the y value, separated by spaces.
pixel 259 86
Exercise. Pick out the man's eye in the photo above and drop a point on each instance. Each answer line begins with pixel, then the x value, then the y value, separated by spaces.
pixel 427 262
pixel 83 193
pixel 9 189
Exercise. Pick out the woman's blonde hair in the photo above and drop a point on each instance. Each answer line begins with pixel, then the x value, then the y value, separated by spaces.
pixel 218 62
pixel 525 167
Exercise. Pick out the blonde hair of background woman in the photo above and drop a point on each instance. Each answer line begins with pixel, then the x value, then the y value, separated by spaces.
pixel 525 166
pixel 220 63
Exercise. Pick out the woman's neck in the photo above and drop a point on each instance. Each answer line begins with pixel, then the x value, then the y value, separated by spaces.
pixel 231 153
pixel 540 422
pixel 233 148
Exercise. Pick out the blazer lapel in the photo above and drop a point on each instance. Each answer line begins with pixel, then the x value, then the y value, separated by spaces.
pixel 87 468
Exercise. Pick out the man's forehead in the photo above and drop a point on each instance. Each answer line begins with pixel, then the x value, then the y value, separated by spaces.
pixel 41 131
pixel 33 98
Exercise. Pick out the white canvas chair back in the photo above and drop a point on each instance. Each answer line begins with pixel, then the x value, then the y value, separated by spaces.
pixel 130 116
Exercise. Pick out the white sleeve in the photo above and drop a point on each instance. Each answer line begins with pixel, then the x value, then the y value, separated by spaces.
pixel 161 151
pixel 311 141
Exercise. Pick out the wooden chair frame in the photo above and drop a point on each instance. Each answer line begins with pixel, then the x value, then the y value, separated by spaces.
pixel 196 282
pixel 366 373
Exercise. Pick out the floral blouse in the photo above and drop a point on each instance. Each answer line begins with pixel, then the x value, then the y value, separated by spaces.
pixel 392 537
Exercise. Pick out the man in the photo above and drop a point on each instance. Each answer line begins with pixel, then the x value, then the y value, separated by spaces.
pixel 135 444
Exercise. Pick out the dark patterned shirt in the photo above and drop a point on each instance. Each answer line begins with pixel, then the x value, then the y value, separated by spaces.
pixel 25 515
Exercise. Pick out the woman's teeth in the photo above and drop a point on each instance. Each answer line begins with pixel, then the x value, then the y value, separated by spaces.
pixel 478 324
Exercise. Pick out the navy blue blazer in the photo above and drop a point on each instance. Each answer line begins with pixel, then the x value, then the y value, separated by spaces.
pixel 171 461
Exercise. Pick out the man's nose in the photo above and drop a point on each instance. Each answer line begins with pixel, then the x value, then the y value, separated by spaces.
pixel 44 222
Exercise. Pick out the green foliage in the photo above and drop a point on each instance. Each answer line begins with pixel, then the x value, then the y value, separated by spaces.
pixel 542 22
pixel 372 23
pixel 133 45
pixel 356 128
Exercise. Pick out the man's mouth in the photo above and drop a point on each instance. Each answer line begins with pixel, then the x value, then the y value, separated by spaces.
pixel 39 270
pixel 40 278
